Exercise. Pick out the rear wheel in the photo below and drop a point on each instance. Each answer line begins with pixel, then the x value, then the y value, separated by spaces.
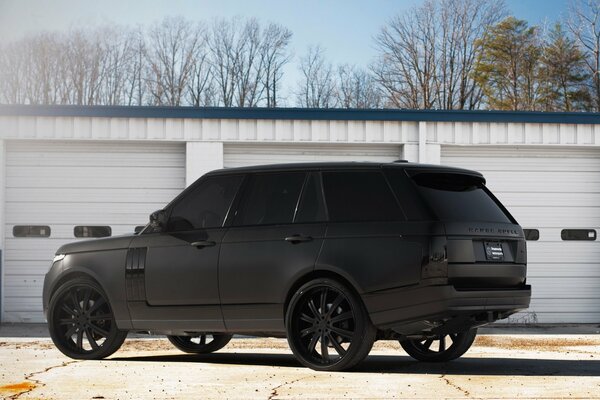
pixel 81 322
pixel 201 343
pixel 441 347
pixel 328 327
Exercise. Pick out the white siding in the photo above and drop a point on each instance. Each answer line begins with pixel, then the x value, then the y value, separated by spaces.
pixel 550 189
pixel 63 184
pixel 239 155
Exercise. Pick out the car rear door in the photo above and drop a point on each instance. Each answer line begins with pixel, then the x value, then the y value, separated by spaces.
pixel 275 238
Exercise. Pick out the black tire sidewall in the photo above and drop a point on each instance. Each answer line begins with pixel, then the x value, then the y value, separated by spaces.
pixel 465 341
pixel 112 343
pixel 219 341
pixel 360 346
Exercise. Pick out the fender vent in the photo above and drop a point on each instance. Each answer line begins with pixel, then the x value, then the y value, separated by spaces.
pixel 135 280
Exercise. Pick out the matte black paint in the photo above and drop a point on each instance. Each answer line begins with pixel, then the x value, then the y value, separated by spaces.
pixel 412 274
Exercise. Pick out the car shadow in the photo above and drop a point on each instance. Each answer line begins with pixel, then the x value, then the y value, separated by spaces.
pixel 402 364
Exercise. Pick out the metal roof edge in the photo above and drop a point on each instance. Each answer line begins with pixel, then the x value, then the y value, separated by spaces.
pixel 337 114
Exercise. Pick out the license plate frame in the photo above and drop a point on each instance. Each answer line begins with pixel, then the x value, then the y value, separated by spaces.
pixel 494 251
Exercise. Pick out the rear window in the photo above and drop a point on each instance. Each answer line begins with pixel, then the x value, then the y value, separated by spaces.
pixel 458 197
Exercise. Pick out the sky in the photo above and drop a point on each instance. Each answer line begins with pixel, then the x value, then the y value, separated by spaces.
pixel 344 28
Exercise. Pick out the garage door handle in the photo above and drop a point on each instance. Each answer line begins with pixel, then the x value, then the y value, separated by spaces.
pixel 298 239
pixel 203 243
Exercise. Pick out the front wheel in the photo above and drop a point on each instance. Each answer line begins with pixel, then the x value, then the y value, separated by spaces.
pixel 328 328
pixel 81 321
pixel 202 343
pixel 440 348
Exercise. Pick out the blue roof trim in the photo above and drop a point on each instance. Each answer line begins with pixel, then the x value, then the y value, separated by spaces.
pixel 300 114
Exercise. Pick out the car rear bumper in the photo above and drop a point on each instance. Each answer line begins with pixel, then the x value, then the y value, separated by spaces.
pixel 396 308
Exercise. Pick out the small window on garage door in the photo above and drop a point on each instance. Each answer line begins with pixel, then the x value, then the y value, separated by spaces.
pixel 85 231
pixel 31 231
pixel 578 234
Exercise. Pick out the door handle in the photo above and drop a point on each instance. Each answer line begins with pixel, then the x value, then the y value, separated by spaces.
pixel 203 243
pixel 294 239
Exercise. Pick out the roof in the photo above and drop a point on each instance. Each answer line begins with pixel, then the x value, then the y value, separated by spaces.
pixel 349 165
pixel 299 114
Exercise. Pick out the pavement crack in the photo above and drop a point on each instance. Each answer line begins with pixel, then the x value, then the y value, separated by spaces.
pixel 36 383
pixel 274 392
pixel 455 386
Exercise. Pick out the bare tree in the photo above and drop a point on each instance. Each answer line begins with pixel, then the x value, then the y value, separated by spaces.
pixel 357 88
pixel 584 23
pixel 427 55
pixel 172 49
pixel 274 53
pixel 317 87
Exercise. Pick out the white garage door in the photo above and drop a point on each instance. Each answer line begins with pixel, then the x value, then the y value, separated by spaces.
pixel 63 185
pixel 549 189
pixel 241 155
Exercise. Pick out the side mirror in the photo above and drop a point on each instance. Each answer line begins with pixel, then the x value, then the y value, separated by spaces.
pixel 158 220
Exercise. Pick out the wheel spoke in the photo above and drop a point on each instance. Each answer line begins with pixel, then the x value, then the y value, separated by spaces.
pixel 86 299
pixel 427 344
pixel 66 309
pixel 76 305
pixel 342 332
pixel 99 330
pixel 313 342
pixel 307 331
pixel 99 317
pixel 66 321
pixel 80 339
pixel 336 303
pixel 442 343
pixel 324 349
pixel 97 304
pixel 70 331
pixel 202 340
pixel 341 317
pixel 90 338
pixel 306 318
pixel 338 347
pixel 313 308
pixel 323 304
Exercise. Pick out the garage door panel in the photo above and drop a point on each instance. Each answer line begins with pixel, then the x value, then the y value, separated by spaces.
pixel 549 189
pixel 64 184
pixel 241 155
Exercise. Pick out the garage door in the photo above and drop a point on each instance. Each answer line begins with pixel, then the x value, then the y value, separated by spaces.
pixel 241 155
pixel 551 190
pixel 51 188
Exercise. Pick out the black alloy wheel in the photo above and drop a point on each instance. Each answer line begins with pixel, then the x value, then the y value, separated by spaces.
pixel 201 343
pixel 81 322
pixel 328 327
pixel 440 348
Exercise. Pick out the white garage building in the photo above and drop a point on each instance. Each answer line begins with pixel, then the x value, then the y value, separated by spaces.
pixel 82 171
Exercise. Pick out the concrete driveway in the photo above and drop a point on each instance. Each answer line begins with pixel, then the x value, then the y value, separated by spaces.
pixel 498 366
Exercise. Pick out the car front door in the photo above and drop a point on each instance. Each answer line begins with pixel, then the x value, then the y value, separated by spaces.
pixel 275 238
pixel 178 267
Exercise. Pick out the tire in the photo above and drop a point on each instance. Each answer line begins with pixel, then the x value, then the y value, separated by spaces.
pixel 420 349
pixel 328 327
pixel 199 344
pixel 81 321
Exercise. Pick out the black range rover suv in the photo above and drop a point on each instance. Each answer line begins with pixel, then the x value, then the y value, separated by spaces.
pixel 331 255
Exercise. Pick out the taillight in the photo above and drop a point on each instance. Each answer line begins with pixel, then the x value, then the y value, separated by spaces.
pixel 436 264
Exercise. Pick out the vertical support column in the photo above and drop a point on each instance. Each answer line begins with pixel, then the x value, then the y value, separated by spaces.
pixel 422 141
pixel 2 224
pixel 200 158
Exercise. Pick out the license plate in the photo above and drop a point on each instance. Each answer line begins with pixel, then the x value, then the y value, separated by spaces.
pixel 493 251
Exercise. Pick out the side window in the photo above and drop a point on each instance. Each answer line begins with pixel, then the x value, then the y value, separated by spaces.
pixel 206 206
pixel 311 207
pixel 359 196
pixel 270 199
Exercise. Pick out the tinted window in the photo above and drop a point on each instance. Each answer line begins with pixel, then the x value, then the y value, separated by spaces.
pixel 206 205
pixel 531 234
pixel 31 231
pixel 270 199
pixel 311 208
pixel 359 196
pixel 578 234
pixel 92 231
pixel 457 197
